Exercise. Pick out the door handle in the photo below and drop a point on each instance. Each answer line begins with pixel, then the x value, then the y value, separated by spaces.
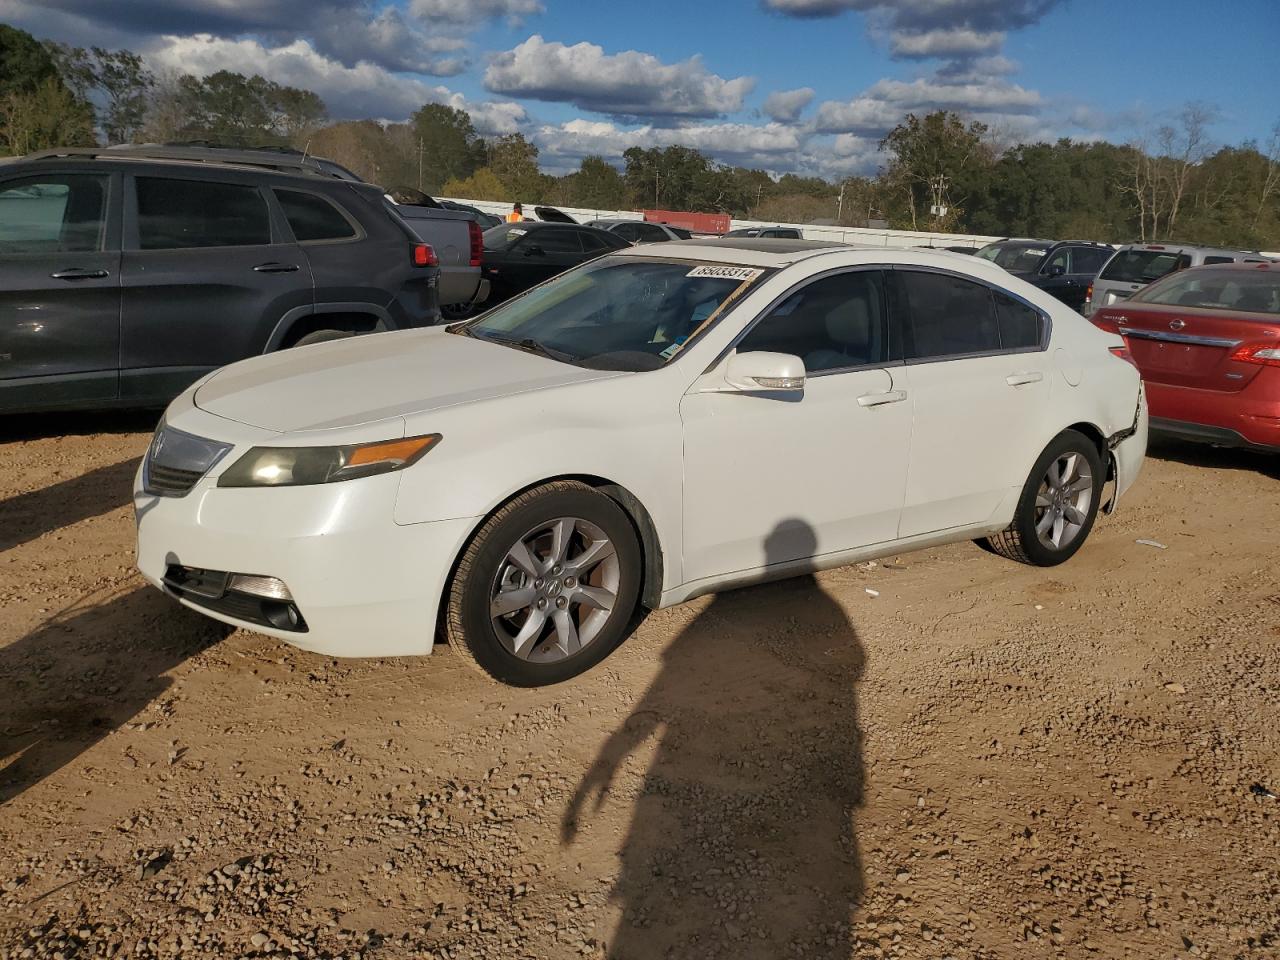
pixel 878 399
pixel 276 268
pixel 1022 379
pixel 79 273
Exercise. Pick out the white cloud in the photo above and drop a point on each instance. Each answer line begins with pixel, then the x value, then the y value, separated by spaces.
pixel 474 11
pixel 883 105
pixel 362 90
pixel 785 106
pixel 949 43
pixel 627 84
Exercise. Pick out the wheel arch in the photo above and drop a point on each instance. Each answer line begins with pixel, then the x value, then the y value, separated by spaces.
pixel 356 317
pixel 641 521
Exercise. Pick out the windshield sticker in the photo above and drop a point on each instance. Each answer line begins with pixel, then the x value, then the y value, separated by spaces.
pixel 725 272
pixel 671 351
pixel 516 233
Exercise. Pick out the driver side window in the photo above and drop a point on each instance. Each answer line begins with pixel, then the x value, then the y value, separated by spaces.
pixel 833 323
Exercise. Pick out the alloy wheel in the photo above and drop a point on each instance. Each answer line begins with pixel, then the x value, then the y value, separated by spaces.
pixel 1063 500
pixel 555 590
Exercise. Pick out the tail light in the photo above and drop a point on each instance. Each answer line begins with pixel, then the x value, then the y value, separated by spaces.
pixel 424 255
pixel 1124 354
pixel 1264 354
pixel 477 242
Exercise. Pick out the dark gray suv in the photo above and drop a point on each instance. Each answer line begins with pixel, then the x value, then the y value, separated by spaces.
pixel 127 275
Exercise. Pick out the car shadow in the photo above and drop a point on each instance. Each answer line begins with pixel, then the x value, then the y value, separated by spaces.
pixel 30 515
pixel 86 671
pixel 1221 458
pixel 80 423
pixel 742 839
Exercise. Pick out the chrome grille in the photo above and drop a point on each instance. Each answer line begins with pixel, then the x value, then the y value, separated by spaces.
pixel 177 460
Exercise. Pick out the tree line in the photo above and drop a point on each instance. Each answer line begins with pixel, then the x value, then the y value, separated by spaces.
pixel 940 172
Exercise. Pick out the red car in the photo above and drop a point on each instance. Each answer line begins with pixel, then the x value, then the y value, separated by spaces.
pixel 1207 341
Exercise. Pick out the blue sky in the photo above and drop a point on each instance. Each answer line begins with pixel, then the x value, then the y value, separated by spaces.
pixel 802 85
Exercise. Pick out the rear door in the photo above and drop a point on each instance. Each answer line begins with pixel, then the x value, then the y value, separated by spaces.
pixel 207 274
pixel 978 373
pixel 544 253
pixel 1078 265
pixel 59 289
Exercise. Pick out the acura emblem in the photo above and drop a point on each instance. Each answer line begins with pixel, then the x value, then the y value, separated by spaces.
pixel 1176 324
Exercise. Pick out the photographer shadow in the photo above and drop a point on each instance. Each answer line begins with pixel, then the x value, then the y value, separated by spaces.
pixel 741 841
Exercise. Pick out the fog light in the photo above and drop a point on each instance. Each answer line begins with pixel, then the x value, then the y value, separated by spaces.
pixel 267 587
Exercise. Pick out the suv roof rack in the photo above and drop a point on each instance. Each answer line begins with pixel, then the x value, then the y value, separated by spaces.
pixel 285 159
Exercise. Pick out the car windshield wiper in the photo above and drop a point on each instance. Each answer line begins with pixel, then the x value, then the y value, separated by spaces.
pixel 530 345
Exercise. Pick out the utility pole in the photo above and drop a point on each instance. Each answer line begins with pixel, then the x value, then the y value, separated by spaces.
pixel 419 163
pixel 840 203
pixel 655 186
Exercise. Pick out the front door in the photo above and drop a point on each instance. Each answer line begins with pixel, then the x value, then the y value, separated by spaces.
pixel 978 372
pixel 771 478
pixel 59 290
pixel 206 276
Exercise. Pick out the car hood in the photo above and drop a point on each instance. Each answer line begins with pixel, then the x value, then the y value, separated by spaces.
pixel 348 382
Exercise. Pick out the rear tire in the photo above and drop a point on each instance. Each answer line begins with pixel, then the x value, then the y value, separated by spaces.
pixel 547 587
pixel 323 336
pixel 1058 505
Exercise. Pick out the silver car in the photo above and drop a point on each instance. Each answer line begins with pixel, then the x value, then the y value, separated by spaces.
pixel 1134 265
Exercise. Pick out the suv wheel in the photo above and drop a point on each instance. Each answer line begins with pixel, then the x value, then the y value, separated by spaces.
pixel 547 587
pixel 1058 504
pixel 323 336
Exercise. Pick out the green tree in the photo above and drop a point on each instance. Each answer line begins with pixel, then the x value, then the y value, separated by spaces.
pixel 514 161
pixel 24 62
pixel 447 146
pixel 116 82
pixel 484 184
pixel 937 162
pixel 48 116
pixel 230 108
pixel 597 184
pixel 680 178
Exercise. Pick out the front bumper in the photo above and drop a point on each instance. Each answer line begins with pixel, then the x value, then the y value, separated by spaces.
pixel 365 586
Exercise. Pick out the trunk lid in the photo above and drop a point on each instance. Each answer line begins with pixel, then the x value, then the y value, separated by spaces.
pixel 1189 346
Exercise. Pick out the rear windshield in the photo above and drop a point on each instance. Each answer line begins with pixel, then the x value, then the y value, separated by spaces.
pixel 1143 266
pixel 1014 257
pixel 1242 290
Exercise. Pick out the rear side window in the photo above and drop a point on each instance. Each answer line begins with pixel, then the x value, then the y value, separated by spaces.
pixel 592 243
pixel 313 218
pixel 1143 266
pixel 553 241
pixel 176 214
pixel 949 316
pixel 833 323
pixel 1208 261
pixel 1021 325
pixel 650 234
pixel 1088 259
pixel 58 213
pixel 627 231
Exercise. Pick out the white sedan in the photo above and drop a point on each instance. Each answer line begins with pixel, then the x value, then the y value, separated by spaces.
pixel 660 423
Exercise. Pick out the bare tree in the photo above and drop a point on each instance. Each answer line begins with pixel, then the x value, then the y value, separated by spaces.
pixel 1182 149
pixel 1272 178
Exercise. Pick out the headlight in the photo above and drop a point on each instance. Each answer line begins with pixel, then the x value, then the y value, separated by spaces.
pixel 297 466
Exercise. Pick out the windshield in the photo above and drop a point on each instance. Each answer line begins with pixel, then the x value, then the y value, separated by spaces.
pixel 1242 290
pixel 1143 266
pixel 616 313
pixel 1014 257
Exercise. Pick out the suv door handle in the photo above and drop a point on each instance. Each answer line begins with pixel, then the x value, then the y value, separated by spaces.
pixel 274 267
pixel 1022 379
pixel 877 399
pixel 79 273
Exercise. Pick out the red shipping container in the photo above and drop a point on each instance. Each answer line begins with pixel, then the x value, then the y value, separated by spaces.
pixel 696 222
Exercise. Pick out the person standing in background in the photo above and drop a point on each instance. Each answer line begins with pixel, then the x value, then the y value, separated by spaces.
pixel 516 214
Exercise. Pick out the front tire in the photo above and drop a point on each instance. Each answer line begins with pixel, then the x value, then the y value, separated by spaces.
pixel 1058 506
pixel 547 587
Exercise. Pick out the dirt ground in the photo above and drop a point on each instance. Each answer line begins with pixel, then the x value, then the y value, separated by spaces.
pixel 984 760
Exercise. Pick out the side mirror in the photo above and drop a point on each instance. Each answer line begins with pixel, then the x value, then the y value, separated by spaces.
pixel 533 250
pixel 762 372
pixel 1057 270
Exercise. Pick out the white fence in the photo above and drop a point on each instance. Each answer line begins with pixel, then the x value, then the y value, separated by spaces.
pixel 875 238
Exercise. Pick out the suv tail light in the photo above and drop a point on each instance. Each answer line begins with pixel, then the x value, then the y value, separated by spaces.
pixel 1265 354
pixel 477 242
pixel 1124 354
pixel 424 255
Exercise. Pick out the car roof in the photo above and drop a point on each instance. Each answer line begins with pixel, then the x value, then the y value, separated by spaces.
pixel 1172 246
pixel 751 251
pixel 110 161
